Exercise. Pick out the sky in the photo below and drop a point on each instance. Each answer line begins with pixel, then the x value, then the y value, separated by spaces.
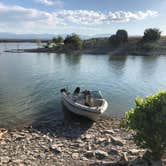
pixel 85 17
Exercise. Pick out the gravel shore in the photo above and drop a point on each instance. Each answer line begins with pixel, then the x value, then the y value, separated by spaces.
pixel 71 143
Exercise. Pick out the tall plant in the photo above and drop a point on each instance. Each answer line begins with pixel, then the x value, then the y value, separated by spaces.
pixel 148 120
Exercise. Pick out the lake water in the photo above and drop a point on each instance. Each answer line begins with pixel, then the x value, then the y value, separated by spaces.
pixel 30 82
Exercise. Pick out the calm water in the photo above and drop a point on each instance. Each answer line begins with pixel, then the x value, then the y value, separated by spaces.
pixel 30 82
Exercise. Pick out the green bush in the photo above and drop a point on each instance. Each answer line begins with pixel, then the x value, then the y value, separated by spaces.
pixel 73 41
pixel 151 34
pixel 148 120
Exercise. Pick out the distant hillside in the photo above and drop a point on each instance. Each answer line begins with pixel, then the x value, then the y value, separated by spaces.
pixel 43 36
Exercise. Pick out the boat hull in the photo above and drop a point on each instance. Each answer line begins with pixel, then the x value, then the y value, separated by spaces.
pixel 92 115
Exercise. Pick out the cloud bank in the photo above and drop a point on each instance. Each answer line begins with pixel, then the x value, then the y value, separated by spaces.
pixel 22 19
pixel 50 2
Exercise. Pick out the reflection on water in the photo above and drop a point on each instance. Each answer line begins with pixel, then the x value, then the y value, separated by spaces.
pixel 30 82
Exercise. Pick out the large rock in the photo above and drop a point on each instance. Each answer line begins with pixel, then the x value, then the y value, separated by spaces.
pixel 101 154
pixel 117 141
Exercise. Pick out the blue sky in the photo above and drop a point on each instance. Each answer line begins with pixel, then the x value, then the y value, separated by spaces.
pixel 86 17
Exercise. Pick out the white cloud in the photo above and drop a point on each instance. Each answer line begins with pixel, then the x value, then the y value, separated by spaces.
pixel 50 2
pixel 25 20
pixel 90 17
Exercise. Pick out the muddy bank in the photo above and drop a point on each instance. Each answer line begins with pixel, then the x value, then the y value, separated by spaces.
pixel 79 142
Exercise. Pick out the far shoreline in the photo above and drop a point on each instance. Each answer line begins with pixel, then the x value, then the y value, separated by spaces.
pixel 99 46
pixel 95 52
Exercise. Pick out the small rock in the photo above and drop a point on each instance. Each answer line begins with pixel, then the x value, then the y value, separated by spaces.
pixel 84 159
pixel 101 154
pixel 124 157
pixel 113 151
pixel 18 161
pixel 109 131
pixel 55 148
pixel 89 146
pixel 79 141
pixel 116 130
pixel 4 159
pixel 75 156
pixel 89 154
pixel 81 145
pixel 18 136
pixel 117 141
pixel 2 132
pixel 100 140
pixel 134 151
pixel 88 136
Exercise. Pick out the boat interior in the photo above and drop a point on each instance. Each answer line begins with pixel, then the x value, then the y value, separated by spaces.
pixel 89 101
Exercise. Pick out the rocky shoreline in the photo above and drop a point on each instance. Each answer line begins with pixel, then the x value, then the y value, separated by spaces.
pixel 80 142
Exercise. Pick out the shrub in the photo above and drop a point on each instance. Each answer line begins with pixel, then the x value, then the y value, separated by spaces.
pixel 151 34
pixel 148 120
pixel 73 41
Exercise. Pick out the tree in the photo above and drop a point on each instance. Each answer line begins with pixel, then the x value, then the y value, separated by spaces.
pixel 148 120
pixel 57 40
pixel 151 34
pixel 73 41
pixel 122 36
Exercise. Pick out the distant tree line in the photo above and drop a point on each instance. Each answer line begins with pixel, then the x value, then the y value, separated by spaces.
pixel 72 41
pixel 121 37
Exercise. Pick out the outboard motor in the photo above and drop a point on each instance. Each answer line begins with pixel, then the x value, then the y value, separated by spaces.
pixel 77 91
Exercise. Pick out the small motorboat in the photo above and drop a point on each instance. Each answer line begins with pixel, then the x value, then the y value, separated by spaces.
pixel 90 104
